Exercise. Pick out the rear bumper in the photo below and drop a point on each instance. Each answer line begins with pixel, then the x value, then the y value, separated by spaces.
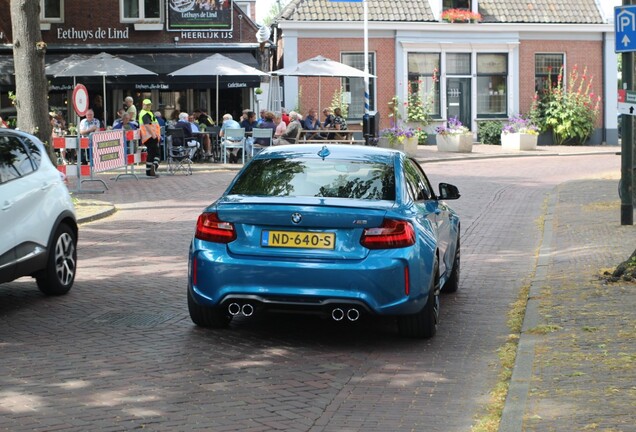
pixel 375 285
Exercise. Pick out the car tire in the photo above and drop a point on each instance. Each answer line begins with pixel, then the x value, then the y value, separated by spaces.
pixel 452 284
pixel 61 266
pixel 423 324
pixel 206 316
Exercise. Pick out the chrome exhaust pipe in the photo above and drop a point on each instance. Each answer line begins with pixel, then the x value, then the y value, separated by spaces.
pixel 337 314
pixel 353 314
pixel 247 310
pixel 234 309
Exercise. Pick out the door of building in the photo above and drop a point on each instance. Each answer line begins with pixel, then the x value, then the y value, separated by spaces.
pixel 458 100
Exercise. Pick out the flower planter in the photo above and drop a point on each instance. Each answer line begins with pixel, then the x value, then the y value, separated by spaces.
pixel 408 145
pixel 518 141
pixel 461 143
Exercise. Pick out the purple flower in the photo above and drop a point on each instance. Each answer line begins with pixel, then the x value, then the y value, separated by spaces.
pixel 454 127
pixel 397 133
pixel 520 124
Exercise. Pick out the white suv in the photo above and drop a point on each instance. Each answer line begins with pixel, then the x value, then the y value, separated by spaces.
pixel 38 226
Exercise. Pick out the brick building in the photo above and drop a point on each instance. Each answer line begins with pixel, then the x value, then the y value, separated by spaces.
pixel 159 35
pixel 486 69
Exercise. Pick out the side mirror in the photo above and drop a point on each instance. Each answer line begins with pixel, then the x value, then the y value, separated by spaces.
pixel 448 192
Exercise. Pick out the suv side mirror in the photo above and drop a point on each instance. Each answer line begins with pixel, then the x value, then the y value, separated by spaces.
pixel 448 192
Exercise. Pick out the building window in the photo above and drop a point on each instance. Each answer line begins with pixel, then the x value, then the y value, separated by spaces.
pixel 354 87
pixel 423 79
pixel 456 4
pixel 492 78
pixel 546 70
pixel 52 10
pixel 141 10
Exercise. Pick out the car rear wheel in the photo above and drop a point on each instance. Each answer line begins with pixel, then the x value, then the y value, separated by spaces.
pixel 58 277
pixel 206 316
pixel 452 284
pixel 423 324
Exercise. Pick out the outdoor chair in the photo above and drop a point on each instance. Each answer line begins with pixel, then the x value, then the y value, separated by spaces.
pixel 180 151
pixel 261 133
pixel 233 138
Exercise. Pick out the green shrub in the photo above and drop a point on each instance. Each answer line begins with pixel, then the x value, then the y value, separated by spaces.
pixel 568 112
pixel 489 132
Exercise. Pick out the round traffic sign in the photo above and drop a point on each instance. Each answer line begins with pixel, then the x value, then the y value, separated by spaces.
pixel 80 100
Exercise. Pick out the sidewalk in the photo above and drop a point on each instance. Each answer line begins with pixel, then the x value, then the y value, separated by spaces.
pixel 576 361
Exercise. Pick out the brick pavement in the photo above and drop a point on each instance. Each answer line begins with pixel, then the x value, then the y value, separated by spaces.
pixel 119 352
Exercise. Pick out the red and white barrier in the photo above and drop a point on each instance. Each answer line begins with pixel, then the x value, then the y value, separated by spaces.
pixel 71 143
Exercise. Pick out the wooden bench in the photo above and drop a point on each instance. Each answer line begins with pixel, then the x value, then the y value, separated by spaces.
pixel 334 141
pixel 348 135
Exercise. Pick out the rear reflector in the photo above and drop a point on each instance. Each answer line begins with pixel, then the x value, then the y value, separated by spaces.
pixel 407 281
pixel 391 234
pixel 211 228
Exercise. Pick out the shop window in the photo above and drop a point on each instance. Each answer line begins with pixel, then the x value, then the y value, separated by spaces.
pixel 423 77
pixel 546 70
pixel 141 10
pixel 456 4
pixel 492 78
pixel 52 10
pixel 354 87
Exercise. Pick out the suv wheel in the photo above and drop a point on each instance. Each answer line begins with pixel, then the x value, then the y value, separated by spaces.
pixel 58 277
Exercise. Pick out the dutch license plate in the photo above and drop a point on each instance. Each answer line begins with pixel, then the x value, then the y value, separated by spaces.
pixel 298 239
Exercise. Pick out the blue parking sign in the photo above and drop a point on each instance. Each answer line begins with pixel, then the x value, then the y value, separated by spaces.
pixel 625 28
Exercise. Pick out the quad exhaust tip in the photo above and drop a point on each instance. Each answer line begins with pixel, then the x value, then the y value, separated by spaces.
pixel 352 314
pixel 246 310
pixel 234 309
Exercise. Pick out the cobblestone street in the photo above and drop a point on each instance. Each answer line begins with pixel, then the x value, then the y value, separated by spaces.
pixel 120 352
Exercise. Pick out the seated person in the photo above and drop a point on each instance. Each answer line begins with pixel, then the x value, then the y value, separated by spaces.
pixel 312 122
pixel 88 126
pixel 188 138
pixel 328 123
pixel 281 126
pixel 268 123
pixel 125 123
pixel 249 122
pixel 339 124
pixel 230 123
pixel 202 121
pixel 291 134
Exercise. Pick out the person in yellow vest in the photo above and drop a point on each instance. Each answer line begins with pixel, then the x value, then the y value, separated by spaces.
pixel 150 136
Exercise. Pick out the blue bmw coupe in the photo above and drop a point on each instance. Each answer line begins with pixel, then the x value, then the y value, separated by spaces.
pixel 338 230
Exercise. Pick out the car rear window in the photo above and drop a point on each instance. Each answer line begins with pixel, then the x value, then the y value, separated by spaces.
pixel 329 178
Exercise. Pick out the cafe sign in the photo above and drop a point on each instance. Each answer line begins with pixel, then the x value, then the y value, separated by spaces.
pixel 200 15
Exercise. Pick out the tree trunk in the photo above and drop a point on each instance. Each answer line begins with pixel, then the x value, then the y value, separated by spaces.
pixel 30 81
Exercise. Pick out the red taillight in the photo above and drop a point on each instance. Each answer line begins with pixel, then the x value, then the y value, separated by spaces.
pixel 211 228
pixel 390 235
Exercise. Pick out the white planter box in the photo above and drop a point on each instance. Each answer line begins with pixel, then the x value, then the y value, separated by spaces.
pixel 518 141
pixel 408 146
pixel 455 143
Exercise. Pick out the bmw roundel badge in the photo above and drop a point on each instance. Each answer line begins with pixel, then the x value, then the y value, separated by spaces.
pixel 296 218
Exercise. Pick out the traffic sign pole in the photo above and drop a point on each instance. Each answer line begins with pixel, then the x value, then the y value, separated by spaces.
pixel 624 24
